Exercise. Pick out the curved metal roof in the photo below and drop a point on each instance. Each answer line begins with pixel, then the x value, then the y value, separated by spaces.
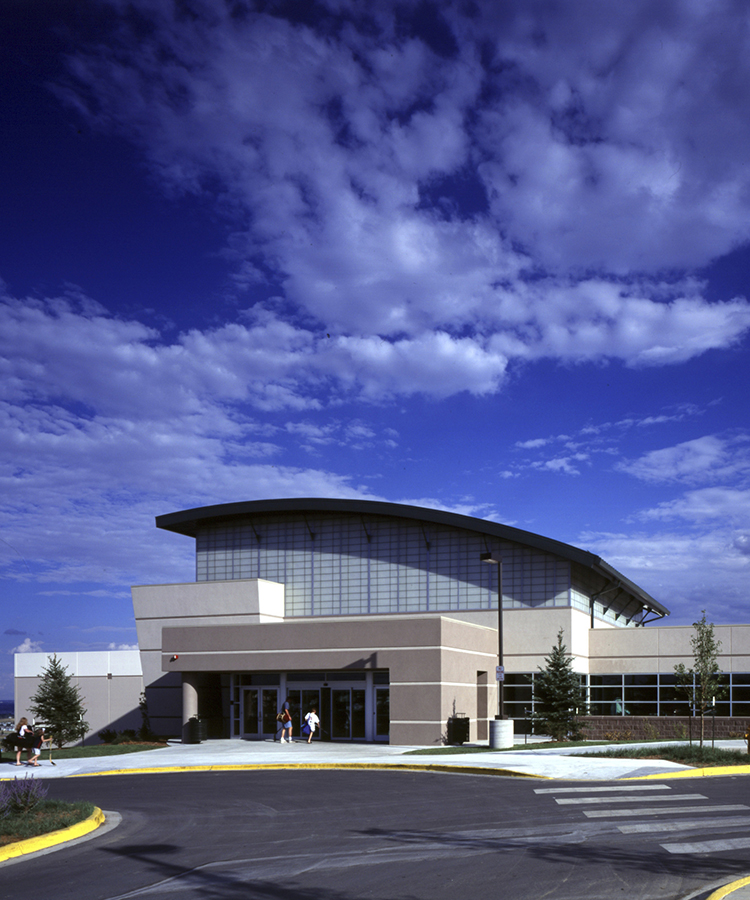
pixel 189 521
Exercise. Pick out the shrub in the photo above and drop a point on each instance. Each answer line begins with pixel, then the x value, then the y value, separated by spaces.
pixel 107 735
pixel 19 797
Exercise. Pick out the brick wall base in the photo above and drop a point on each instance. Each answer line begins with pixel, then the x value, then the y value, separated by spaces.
pixel 625 728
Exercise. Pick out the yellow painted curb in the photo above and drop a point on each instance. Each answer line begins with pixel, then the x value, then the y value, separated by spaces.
pixel 393 767
pixel 695 773
pixel 728 889
pixel 43 841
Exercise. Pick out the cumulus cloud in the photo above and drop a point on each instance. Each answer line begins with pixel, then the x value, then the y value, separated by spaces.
pixel 672 566
pixel 708 458
pixel 729 503
pixel 422 202
pixel 28 646
pixel 347 156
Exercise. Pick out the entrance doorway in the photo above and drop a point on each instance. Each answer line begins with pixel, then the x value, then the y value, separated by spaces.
pixel 260 706
pixel 352 706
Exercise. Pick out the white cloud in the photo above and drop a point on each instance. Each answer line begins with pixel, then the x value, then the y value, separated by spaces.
pixel 345 150
pixel 685 572
pixel 731 504
pixel 28 646
pixel 705 459
pixel 122 646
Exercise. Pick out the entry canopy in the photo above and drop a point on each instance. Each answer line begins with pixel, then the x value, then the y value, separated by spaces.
pixel 190 521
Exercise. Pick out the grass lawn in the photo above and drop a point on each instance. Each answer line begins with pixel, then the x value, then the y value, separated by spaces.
pixel 92 751
pixel 519 748
pixel 700 757
pixel 694 755
pixel 49 815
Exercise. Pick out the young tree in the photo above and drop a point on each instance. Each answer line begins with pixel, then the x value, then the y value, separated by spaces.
pixel 58 704
pixel 703 683
pixel 558 693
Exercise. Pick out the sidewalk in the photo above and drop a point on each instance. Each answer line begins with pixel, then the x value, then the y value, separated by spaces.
pixel 220 754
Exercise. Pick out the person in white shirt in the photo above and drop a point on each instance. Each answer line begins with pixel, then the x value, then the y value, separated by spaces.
pixel 312 722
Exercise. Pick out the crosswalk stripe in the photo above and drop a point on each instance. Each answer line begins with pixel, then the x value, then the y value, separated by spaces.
pixel 709 846
pixel 645 827
pixel 580 800
pixel 594 790
pixel 660 811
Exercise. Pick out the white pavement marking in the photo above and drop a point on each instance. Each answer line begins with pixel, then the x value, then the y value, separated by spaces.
pixel 580 800
pixel 709 846
pixel 675 810
pixel 614 788
pixel 692 825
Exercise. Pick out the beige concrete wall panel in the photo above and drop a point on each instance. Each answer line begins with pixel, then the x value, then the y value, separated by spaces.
pixel 23 690
pixel 462 635
pixel 151 661
pixel 304 636
pixel 416 701
pixel 674 641
pixel 737 643
pixel 213 599
pixel 416 734
pixel 533 632
pixel 618 642
pixel 462 666
pixel 125 695
pixel 149 634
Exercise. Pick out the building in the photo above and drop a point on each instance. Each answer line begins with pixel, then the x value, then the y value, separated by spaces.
pixel 385 617
pixel 111 681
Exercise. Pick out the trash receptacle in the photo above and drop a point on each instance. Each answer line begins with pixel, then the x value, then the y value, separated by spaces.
pixel 458 729
pixel 197 730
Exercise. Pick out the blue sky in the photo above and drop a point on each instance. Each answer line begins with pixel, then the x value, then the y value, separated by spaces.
pixel 484 257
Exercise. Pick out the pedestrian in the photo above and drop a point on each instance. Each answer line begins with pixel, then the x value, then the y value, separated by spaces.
pixel 311 723
pixel 286 722
pixel 27 741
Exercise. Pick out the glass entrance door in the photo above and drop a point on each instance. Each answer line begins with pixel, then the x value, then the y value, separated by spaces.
pixel 260 706
pixel 302 701
pixel 347 714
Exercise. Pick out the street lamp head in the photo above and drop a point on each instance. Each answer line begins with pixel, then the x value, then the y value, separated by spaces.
pixel 492 558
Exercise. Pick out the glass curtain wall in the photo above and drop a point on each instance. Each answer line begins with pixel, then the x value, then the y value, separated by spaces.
pixel 350 565
pixel 631 695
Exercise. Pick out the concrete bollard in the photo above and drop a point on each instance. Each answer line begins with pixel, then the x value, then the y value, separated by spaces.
pixel 501 734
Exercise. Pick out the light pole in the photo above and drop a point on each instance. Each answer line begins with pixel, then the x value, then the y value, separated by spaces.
pixel 495 559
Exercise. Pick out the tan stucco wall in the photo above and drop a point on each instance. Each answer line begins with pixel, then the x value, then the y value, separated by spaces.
pixel 236 602
pixel 661 649
pixel 433 661
pixel 530 634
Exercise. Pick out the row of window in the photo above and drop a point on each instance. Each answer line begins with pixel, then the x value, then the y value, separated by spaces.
pixel 631 695
pixel 333 565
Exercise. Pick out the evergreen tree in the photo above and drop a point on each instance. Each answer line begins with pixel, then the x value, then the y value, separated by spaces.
pixel 558 693
pixel 58 704
pixel 703 683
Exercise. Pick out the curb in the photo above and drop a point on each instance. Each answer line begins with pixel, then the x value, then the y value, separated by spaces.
pixel 248 767
pixel 697 773
pixel 43 841
pixel 729 888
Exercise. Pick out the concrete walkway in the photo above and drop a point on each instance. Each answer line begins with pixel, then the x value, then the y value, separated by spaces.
pixel 529 761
